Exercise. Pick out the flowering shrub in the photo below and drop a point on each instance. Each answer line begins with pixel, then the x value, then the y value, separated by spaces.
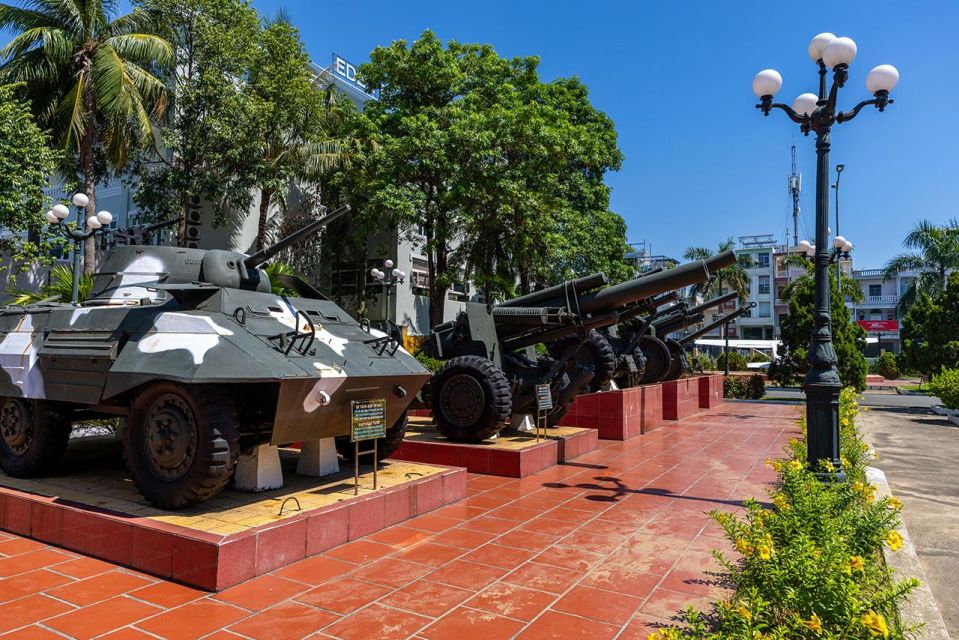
pixel 946 386
pixel 809 565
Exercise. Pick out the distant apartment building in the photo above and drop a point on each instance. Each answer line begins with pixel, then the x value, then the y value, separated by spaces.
pixel 877 313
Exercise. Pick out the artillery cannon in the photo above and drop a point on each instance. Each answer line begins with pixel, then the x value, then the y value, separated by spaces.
pixel 487 379
pixel 201 359
pixel 677 347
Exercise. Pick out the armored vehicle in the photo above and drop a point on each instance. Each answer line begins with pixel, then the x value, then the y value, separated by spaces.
pixel 202 360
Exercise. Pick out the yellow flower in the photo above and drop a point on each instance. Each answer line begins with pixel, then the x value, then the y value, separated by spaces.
pixel 844 461
pixel 770 463
pixel 744 547
pixel 869 493
pixel 744 612
pixel 857 486
pixel 828 466
pixel 895 503
pixel 856 563
pixel 894 540
pixel 795 465
pixel 864 447
pixel 654 636
pixel 814 623
pixel 876 624
pixel 765 551
pixel 780 501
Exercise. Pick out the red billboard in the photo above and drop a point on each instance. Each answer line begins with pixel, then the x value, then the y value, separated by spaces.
pixel 879 326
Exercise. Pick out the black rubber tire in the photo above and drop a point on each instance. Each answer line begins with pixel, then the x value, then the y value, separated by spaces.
pixel 40 438
pixel 493 402
pixel 623 380
pixel 676 364
pixel 385 447
pixel 215 452
pixel 595 352
pixel 658 359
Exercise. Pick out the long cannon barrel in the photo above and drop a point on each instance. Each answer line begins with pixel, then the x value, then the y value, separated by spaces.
pixel 637 289
pixel 651 306
pixel 559 294
pixel 686 316
pixel 261 256
pixel 729 317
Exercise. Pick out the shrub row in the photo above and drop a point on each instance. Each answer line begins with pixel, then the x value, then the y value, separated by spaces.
pixel 744 387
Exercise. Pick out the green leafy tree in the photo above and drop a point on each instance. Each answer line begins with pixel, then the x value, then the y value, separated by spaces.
pixel 731 278
pixel 26 163
pixel 500 172
pixel 90 78
pixel 296 144
pixel 212 135
pixel 935 252
pixel 849 339
pixel 930 331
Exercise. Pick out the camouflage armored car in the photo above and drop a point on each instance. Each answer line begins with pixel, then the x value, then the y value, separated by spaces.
pixel 201 359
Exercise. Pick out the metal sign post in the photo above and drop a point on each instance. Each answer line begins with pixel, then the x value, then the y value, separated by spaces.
pixel 544 403
pixel 368 423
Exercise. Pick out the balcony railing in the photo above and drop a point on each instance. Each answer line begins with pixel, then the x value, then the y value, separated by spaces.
pixel 867 273
pixel 891 298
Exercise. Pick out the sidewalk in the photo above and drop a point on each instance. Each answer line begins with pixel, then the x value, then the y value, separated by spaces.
pixel 610 545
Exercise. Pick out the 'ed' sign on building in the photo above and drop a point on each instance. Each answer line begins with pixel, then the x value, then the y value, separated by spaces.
pixel 346 71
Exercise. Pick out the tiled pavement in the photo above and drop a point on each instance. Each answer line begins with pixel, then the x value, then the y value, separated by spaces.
pixel 606 546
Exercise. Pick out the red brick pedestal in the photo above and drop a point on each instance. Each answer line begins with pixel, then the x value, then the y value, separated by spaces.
pixel 620 414
pixel 511 454
pixel 710 391
pixel 212 560
pixel 680 398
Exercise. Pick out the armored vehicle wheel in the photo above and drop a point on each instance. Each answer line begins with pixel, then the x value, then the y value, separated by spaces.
pixel 471 399
pixel 658 359
pixel 33 437
pixel 625 380
pixel 181 443
pixel 385 447
pixel 596 354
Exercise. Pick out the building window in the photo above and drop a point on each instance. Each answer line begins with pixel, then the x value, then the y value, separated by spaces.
pixel 762 260
pixel 890 315
pixel 419 274
pixel 764 310
pixel 764 285
pixel 875 290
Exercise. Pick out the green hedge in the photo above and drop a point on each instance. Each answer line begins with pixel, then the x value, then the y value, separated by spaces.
pixel 744 387
pixel 946 386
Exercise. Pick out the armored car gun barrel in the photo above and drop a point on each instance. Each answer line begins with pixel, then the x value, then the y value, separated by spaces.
pixel 203 362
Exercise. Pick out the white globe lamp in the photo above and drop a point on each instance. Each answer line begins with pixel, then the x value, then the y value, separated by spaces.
pixel 818 44
pixel 60 211
pixel 93 223
pixel 839 51
pixel 767 83
pixel 882 78
pixel 104 218
pixel 80 199
pixel 805 103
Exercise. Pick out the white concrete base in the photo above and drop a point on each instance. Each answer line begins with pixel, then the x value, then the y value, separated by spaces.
pixel 523 422
pixel 259 470
pixel 318 458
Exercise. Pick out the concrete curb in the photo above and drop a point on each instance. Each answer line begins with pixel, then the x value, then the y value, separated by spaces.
pixel 921 607
pixel 770 401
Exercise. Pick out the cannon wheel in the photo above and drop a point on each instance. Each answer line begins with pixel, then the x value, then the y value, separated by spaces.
pixel 33 437
pixel 658 359
pixel 624 381
pixel 595 353
pixel 385 447
pixel 181 443
pixel 676 364
pixel 471 399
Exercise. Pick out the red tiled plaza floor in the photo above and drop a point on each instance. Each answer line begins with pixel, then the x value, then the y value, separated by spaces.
pixel 606 546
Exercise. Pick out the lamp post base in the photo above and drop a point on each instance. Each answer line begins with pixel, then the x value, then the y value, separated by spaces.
pixel 822 428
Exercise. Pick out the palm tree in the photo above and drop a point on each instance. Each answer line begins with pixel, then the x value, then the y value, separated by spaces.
pixel 90 78
pixel 935 253
pixel 297 144
pixel 58 287
pixel 731 278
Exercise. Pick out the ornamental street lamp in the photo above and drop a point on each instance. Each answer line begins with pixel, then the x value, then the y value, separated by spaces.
pixel 388 281
pixel 818 113
pixel 835 185
pixel 57 216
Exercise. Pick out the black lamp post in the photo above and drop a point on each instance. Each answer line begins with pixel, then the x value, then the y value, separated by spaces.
pixel 818 113
pixel 56 217
pixel 835 185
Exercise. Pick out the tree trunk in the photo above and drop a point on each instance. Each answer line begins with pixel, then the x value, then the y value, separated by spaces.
pixel 89 187
pixel 266 196
pixel 184 216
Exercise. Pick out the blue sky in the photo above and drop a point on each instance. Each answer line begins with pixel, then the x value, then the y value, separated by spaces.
pixel 701 163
